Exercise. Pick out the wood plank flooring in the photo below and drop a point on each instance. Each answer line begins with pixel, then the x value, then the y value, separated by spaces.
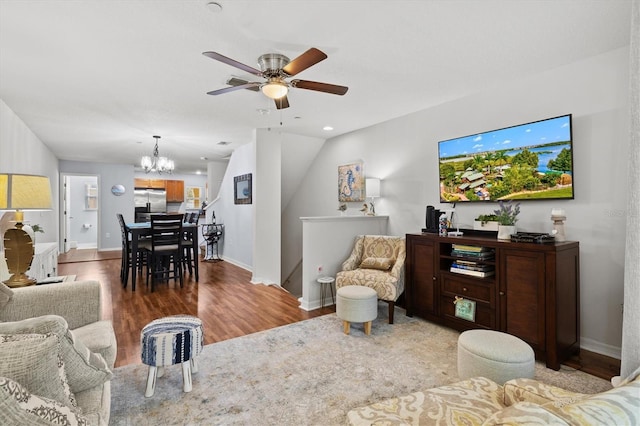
pixel 224 299
pixel 228 304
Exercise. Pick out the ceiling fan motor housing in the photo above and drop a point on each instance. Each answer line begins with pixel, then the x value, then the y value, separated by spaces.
pixel 271 64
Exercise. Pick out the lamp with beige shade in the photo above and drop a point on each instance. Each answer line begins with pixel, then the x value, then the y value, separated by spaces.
pixel 19 192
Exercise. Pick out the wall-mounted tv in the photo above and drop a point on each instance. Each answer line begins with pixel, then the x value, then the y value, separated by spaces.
pixel 530 161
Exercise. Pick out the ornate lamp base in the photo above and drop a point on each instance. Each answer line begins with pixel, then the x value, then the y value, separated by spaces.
pixel 18 250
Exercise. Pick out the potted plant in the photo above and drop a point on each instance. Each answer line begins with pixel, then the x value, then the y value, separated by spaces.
pixel 31 230
pixel 507 216
pixel 486 222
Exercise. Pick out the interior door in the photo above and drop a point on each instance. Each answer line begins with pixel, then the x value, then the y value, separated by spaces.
pixel 66 200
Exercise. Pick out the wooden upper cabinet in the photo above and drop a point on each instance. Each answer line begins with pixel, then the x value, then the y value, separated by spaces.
pixel 149 183
pixel 175 191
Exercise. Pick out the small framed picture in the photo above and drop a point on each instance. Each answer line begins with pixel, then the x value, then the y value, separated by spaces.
pixel 465 309
pixel 242 189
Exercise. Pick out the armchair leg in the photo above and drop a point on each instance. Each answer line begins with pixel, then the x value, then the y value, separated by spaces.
pixel 392 306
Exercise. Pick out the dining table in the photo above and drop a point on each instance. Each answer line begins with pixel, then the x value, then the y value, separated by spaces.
pixel 140 230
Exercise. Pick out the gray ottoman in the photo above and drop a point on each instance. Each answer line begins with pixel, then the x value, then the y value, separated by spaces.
pixel 494 355
pixel 356 303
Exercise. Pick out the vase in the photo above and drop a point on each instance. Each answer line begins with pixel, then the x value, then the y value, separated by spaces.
pixel 505 231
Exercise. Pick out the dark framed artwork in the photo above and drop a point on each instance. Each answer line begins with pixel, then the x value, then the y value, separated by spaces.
pixel 242 190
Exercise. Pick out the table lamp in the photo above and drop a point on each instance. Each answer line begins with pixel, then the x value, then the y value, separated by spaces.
pixel 20 192
pixel 372 186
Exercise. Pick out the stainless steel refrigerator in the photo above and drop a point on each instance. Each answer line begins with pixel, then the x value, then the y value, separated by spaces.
pixel 153 200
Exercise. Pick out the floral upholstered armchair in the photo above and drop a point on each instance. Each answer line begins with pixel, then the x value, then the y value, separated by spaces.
pixel 377 261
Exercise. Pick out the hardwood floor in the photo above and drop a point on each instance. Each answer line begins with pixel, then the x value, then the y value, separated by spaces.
pixel 227 303
pixel 224 299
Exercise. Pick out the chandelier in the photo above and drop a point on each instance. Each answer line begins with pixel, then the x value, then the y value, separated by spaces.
pixel 157 163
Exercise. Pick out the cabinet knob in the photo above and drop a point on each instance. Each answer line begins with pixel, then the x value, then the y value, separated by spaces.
pixel 433 278
pixel 501 293
pixel 464 289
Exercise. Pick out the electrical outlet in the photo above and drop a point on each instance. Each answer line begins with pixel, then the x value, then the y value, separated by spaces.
pixel 107 235
pixel 319 269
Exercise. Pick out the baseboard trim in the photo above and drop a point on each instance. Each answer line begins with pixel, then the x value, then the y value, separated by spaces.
pixel 601 348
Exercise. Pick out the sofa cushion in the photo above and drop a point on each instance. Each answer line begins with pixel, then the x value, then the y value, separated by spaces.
pixel 529 390
pixel 380 263
pixel 34 361
pixel 5 294
pixel 618 406
pixel 84 368
pixel 100 338
pixel 524 413
pixel 468 402
pixel 96 404
pixel 19 406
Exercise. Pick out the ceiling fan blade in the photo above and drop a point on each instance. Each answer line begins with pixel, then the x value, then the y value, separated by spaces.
pixel 232 62
pixel 304 61
pixel 282 103
pixel 233 88
pixel 320 87
pixel 235 81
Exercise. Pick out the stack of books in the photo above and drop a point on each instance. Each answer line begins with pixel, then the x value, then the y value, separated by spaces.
pixel 477 252
pixel 468 266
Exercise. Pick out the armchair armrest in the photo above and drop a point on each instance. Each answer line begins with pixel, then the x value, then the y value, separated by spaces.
pixel 529 390
pixel 354 259
pixel 78 302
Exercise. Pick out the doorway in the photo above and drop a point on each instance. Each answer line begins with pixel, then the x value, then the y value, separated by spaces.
pixel 80 212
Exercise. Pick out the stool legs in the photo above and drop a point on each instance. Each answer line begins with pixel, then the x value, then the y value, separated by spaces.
pixel 151 381
pixel 347 326
pixel 186 376
pixel 367 327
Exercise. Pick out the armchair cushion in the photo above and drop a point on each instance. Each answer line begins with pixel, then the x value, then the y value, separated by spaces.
pixel 381 263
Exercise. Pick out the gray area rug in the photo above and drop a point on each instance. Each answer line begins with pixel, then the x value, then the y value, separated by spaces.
pixel 307 373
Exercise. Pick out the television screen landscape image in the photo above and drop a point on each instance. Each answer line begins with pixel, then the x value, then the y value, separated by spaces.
pixel 529 161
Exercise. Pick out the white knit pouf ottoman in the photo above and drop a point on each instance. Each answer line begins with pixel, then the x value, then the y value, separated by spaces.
pixel 494 355
pixel 356 303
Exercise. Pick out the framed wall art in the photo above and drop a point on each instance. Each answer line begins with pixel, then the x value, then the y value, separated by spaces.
pixel 242 190
pixel 351 182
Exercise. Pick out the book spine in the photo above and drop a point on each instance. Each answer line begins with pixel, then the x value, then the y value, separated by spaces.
pixel 481 274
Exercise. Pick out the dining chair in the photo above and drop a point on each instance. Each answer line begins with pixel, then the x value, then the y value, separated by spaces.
pixel 125 264
pixel 189 254
pixel 165 254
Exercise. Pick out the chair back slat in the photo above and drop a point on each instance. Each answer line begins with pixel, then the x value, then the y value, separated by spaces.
pixel 166 230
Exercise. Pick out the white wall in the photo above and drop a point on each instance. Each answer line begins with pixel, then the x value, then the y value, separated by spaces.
pixel 403 153
pixel 22 152
pixel 237 244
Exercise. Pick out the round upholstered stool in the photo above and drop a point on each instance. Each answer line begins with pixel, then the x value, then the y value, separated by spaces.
pixel 169 341
pixel 494 355
pixel 356 303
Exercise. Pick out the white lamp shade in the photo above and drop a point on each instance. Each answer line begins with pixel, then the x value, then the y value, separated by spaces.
pixel 373 187
pixel 274 89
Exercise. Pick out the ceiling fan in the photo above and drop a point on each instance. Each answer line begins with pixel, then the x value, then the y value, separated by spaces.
pixel 276 68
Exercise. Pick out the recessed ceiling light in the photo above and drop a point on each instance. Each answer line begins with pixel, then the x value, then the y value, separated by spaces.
pixel 198 172
pixel 263 111
pixel 204 158
pixel 223 143
pixel 327 128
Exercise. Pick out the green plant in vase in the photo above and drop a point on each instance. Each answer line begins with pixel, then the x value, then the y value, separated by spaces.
pixel 507 214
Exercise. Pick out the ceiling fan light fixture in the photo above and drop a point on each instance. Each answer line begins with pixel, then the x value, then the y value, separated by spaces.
pixel 275 89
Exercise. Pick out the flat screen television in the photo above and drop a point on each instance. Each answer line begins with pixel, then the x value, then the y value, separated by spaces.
pixel 530 161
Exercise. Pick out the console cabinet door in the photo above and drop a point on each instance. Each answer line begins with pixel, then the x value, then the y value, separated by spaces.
pixel 522 296
pixel 421 278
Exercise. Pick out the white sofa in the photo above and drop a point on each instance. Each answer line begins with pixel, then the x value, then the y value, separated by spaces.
pixel 71 311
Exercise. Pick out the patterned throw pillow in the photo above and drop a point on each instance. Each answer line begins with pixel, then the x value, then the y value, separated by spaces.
pixel 19 406
pixel 380 263
pixel 85 369
pixel 34 361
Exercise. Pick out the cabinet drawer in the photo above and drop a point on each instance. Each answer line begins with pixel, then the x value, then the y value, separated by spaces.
pixel 485 315
pixel 468 288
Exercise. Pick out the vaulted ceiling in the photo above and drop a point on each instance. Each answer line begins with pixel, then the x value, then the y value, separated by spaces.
pixel 95 80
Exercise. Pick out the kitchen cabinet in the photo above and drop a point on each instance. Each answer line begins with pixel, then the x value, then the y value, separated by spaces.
pixel 149 183
pixel 175 191
pixel 533 293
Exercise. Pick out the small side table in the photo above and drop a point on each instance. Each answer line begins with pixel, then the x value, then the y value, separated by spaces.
pixel 324 281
